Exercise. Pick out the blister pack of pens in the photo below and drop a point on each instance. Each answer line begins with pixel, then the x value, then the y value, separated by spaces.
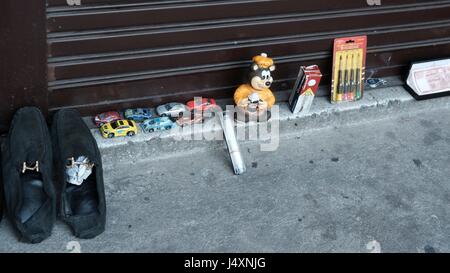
pixel 349 64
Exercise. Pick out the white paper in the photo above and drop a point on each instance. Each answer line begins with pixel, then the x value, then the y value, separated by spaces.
pixel 430 77
pixel 79 172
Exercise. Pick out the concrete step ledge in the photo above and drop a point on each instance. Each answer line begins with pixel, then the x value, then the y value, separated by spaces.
pixel 376 104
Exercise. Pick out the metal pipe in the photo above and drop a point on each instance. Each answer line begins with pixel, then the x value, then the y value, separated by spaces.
pixel 232 144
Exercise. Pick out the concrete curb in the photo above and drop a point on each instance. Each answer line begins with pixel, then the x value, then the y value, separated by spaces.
pixel 377 104
pixel 321 106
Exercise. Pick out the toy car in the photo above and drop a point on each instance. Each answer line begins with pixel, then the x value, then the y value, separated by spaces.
pixel 189 119
pixel 119 128
pixel 173 109
pixel 203 104
pixel 156 124
pixel 106 117
pixel 138 114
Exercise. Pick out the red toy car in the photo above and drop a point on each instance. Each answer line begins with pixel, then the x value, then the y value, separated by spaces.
pixel 201 105
pixel 106 117
pixel 189 119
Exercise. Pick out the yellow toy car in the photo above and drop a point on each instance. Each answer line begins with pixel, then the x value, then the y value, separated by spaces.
pixel 118 128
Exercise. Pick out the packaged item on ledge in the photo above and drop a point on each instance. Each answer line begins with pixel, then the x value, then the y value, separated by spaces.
pixel 349 64
pixel 305 89
pixel 429 79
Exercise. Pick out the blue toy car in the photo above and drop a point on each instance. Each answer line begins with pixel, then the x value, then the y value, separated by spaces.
pixel 138 114
pixel 156 124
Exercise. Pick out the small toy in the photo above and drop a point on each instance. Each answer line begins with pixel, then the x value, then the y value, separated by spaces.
pixel 173 109
pixel 106 117
pixel 305 89
pixel 157 124
pixel 119 128
pixel 77 171
pixel 201 104
pixel 190 119
pixel 138 114
pixel 256 99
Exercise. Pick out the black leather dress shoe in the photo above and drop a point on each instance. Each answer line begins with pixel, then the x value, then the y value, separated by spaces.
pixel 82 199
pixel 27 176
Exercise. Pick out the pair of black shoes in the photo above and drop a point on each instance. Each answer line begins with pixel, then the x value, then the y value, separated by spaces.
pixel 35 177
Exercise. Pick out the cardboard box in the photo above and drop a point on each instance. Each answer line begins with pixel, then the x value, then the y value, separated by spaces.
pixel 305 89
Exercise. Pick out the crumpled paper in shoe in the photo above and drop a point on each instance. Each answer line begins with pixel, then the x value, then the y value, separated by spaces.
pixel 79 172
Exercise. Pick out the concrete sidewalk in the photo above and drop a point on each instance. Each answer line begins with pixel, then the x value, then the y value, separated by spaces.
pixel 357 177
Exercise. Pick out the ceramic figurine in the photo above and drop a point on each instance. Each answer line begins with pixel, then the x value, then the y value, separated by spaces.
pixel 255 99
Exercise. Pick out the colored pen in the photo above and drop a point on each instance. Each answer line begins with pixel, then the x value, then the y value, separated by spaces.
pixel 346 81
pixel 351 93
pixel 358 77
pixel 340 85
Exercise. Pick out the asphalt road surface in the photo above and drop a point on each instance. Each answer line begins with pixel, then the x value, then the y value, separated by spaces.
pixel 374 186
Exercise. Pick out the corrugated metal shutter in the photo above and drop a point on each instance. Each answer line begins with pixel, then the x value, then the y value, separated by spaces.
pixel 109 54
